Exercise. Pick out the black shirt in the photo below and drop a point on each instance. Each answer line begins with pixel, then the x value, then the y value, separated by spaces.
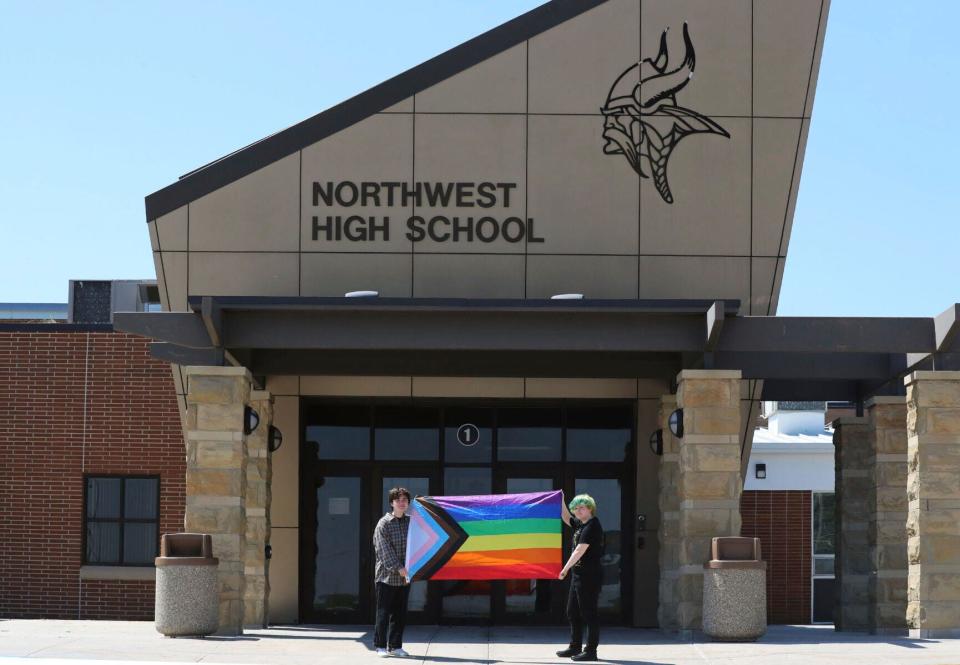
pixel 588 533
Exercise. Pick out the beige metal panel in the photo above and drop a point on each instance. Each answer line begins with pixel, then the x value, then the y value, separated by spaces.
pixel 593 276
pixel 172 231
pixel 178 383
pixel 581 388
pixel 651 388
pixel 808 109
pixel 473 149
pixel 243 274
pixel 792 204
pixel 467 276
pixel 152 229
pixel 777 285
pixel 646 563
pixel 573 65
pixel 776 167
pixel 785 39
pixel 406 106
pixel 355 386
pixel 705 277
pixel 709 176
pixel 175 277
pixel 582 201
pixel 326 274
pixel 258 212
pixel 285 501
pixel 377 149
pixel 762 285
pixel 161 281
pixel 445 386
pixel 284 575
pixel 721 33
pixel 496 85
pixel 283 385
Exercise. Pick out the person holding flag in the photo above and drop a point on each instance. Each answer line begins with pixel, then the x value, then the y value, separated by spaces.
pixel 586 581
pixel 390 574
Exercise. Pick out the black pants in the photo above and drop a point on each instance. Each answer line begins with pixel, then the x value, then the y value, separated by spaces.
pixel 582 610
pixel 392 614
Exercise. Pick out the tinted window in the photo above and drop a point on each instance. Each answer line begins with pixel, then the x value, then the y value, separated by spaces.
pixel 599 434
pixel 121 520
pixel 468 435
pixel 406 433
pixel 340 431
pixel 532 435
pixel 823 523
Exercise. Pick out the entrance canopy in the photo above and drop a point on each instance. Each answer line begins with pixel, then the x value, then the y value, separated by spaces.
pixel 799 358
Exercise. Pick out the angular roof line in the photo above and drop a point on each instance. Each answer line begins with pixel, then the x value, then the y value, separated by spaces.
pixel 255 156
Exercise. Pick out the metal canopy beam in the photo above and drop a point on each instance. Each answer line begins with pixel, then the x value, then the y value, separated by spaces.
pixel 777 334
pixel 547 338
pixel 181 328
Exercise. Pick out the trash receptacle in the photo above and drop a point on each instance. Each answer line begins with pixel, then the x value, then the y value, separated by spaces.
pixel 187 599
pixel 735 590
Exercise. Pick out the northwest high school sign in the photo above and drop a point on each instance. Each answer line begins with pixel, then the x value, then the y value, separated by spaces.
pixel 439 228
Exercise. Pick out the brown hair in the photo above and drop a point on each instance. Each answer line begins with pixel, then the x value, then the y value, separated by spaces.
pixel 397 492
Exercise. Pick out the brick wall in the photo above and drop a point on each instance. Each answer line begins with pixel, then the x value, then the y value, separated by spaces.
pixel 781 520
pixel 73 403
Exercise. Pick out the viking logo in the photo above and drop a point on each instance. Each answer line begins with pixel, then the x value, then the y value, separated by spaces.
pixel 642 120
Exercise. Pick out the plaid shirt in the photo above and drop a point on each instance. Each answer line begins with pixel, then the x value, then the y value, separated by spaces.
pixel 390 545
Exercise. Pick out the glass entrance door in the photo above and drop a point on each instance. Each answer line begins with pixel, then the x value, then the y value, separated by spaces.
pixel 528 601
pixel 337 544
pixel 615 603
pixel 420 481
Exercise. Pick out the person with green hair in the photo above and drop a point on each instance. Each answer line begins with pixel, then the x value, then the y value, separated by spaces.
pixel 586 580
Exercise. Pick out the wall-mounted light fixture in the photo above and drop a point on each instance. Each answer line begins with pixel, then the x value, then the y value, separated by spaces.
pixel 567 296
pixel 760 470
pixel 656 442
pixel 676 423
pixel 274 439
pixel 250 420
pixel 361 294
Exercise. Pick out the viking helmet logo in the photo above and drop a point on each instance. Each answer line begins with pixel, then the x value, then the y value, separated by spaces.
pixel 642 120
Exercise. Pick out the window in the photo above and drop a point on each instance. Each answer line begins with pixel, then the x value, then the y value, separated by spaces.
pixel 529 435
pixel 824 585
pixel 121 520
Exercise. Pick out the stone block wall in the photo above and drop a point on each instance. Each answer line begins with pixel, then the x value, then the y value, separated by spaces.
pixel 709 479
pixel 669 531
pixel 933 490
pixel 855 494
pixel 886 529
pixel 217 457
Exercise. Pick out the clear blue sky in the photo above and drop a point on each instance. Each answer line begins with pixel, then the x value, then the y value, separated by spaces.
pixel 102 103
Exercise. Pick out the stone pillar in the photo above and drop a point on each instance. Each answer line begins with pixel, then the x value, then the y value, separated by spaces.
pixel 887 518
pixel 256 594
pixel 668 533
pixel 709 479
pixel 933 491
pixel 217 477
pixel 855 494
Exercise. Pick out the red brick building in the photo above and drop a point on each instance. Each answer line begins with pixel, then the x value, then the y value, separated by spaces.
pixel 79 401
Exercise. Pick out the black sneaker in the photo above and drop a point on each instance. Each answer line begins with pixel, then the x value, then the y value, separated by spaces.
pixel 569 651
pixel 585 656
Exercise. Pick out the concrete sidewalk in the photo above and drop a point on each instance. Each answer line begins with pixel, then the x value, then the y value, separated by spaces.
pixel 25 642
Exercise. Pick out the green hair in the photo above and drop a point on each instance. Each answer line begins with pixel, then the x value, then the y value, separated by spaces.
pixel 583 500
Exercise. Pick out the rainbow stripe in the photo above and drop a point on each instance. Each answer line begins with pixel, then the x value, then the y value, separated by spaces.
pixel 491 537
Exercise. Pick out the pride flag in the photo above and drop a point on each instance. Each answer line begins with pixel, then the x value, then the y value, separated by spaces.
pixel 491 537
